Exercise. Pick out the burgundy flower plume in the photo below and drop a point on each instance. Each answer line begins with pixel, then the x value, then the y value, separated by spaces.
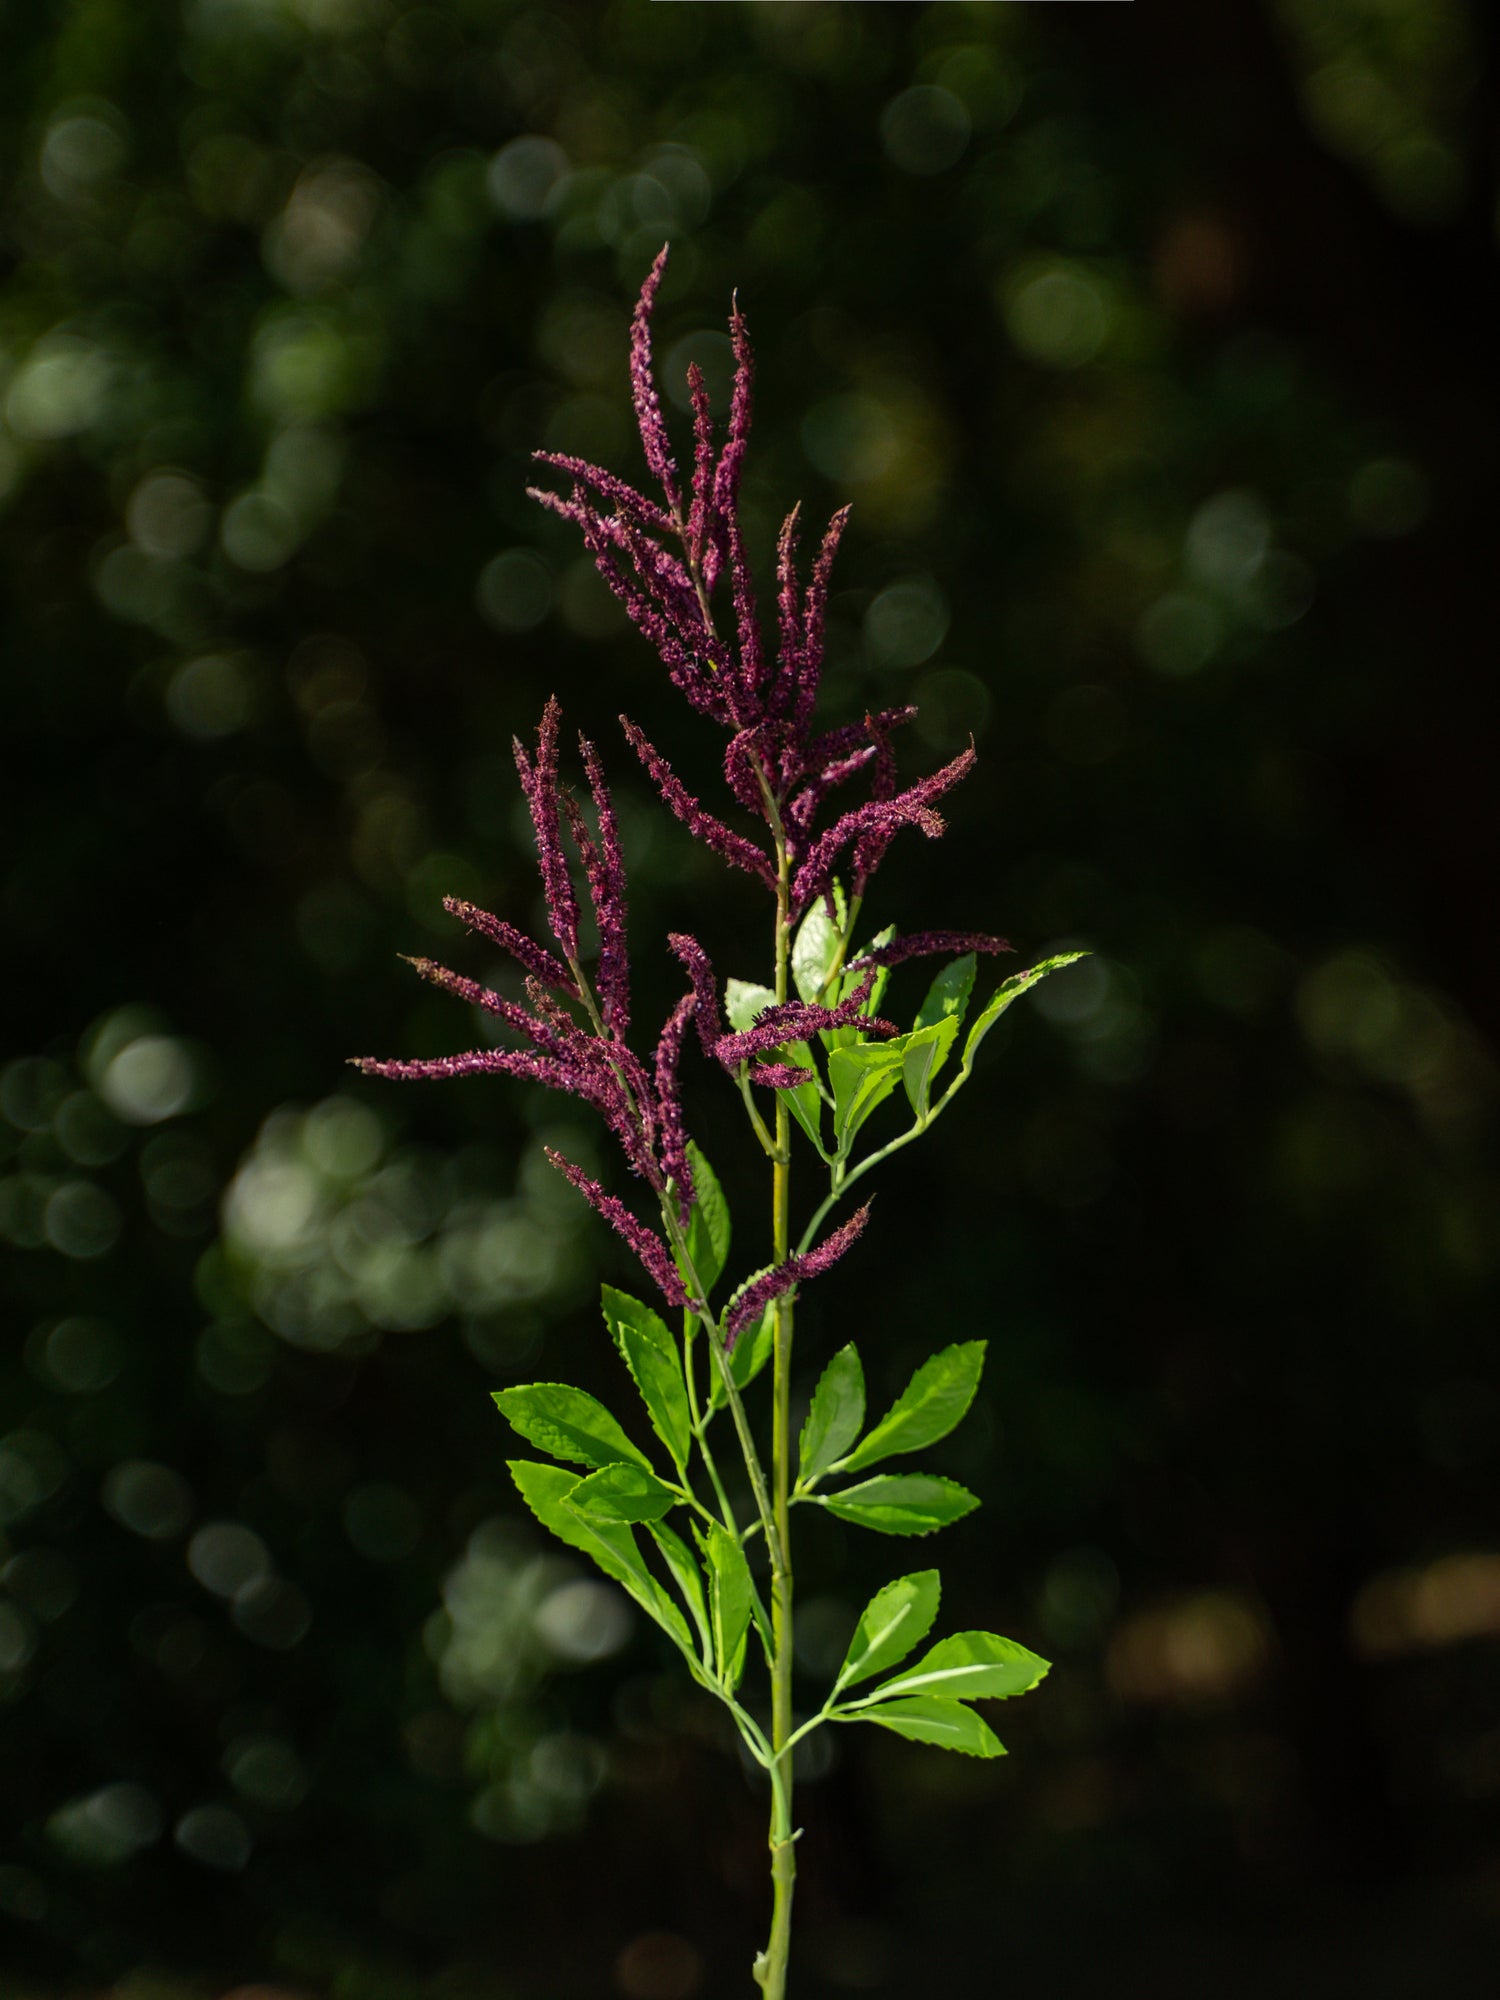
pixel 794 1021
pixel 589 1059
pixel 664 560
pixel 757 1295
pixel 810 815
pixel 927 944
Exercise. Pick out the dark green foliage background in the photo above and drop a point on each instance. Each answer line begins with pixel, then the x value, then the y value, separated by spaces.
pixel 1155 347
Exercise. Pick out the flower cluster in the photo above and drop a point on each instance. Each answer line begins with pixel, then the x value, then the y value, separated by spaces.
pixel 758 1294
pixel 589 1059
pixel 664 560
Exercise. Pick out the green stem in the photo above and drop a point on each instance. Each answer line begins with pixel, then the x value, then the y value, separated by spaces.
pixel 699 1422
pixel 758 1124
pixel 842 1182
pixel 771 1966
pixel 700 1307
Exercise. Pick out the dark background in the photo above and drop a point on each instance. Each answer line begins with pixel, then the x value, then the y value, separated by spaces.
pixel 1155 346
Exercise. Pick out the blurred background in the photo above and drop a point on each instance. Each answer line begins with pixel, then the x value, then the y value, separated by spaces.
pixel 1155 346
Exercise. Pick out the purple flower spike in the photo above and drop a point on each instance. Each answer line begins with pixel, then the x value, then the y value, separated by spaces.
pixel 607 889
pixel 607 485
pixel 741 760
pixel 646 1244
pixel 927 944
pixel 794 1021
pixel 913 807
pixel 874 730
pixel 726 497
pixel 747 626
pixel 873 827
pixel 700 971
pixel 539 782
pixel 674 1155
pixel 472 1062
pixel 701 509
pixel 799 813
pixel 537 961
pixel 810 652
pixel 544 1036
pixel 643 385
pixel 753 1301
pixel 724 841
pixel 779 1076
pixel 788 605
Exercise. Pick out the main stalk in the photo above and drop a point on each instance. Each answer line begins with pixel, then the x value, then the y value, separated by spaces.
pixel 770 1967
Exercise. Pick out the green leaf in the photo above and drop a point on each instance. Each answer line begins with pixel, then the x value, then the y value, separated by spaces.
pixel 926 1052
pixel 655 1362
pixel 849 985
pixel 930 1719
pixel 568 1423
pixel 948 995
pixel 814 950
pixel 969 1666
pixel 805 1100
pixel 933 1401
pixel 708 1225
pixel 896 1618
pixel 834 1417
pixel 729 1594
pixel 689 1579
pixel 743 1000
pixel 902 1503
pixel 546 1489
pixel 1010 990
pixel 622 1493
pixel 863 1077
pixel 882 972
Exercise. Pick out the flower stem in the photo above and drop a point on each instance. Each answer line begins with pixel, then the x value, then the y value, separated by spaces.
pixel 771 1966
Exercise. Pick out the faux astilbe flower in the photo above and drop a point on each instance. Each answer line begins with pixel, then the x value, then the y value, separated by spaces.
pixel 665 560
pixel 590 1059
pixel 810 816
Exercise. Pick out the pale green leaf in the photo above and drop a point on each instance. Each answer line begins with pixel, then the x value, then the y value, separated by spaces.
pixel 935 1399
pixel 834 1416
pixel 805 1100
pixel 743 1000
pixel 708 1230
pixel 969 1666
pixel 948 995
pixel 896 1618
pixel 814 950
pixel 622 1493
pixel 902 1503
pixel 545 1489
pixel 742 1003
pixel 930 1719
pixel 926 1052
pixel 863 1077
pixel 688 1577
pixel 568 1423
pixel 849 985
pixel 729 1596
pixel 654 1359
pixel 1011 990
